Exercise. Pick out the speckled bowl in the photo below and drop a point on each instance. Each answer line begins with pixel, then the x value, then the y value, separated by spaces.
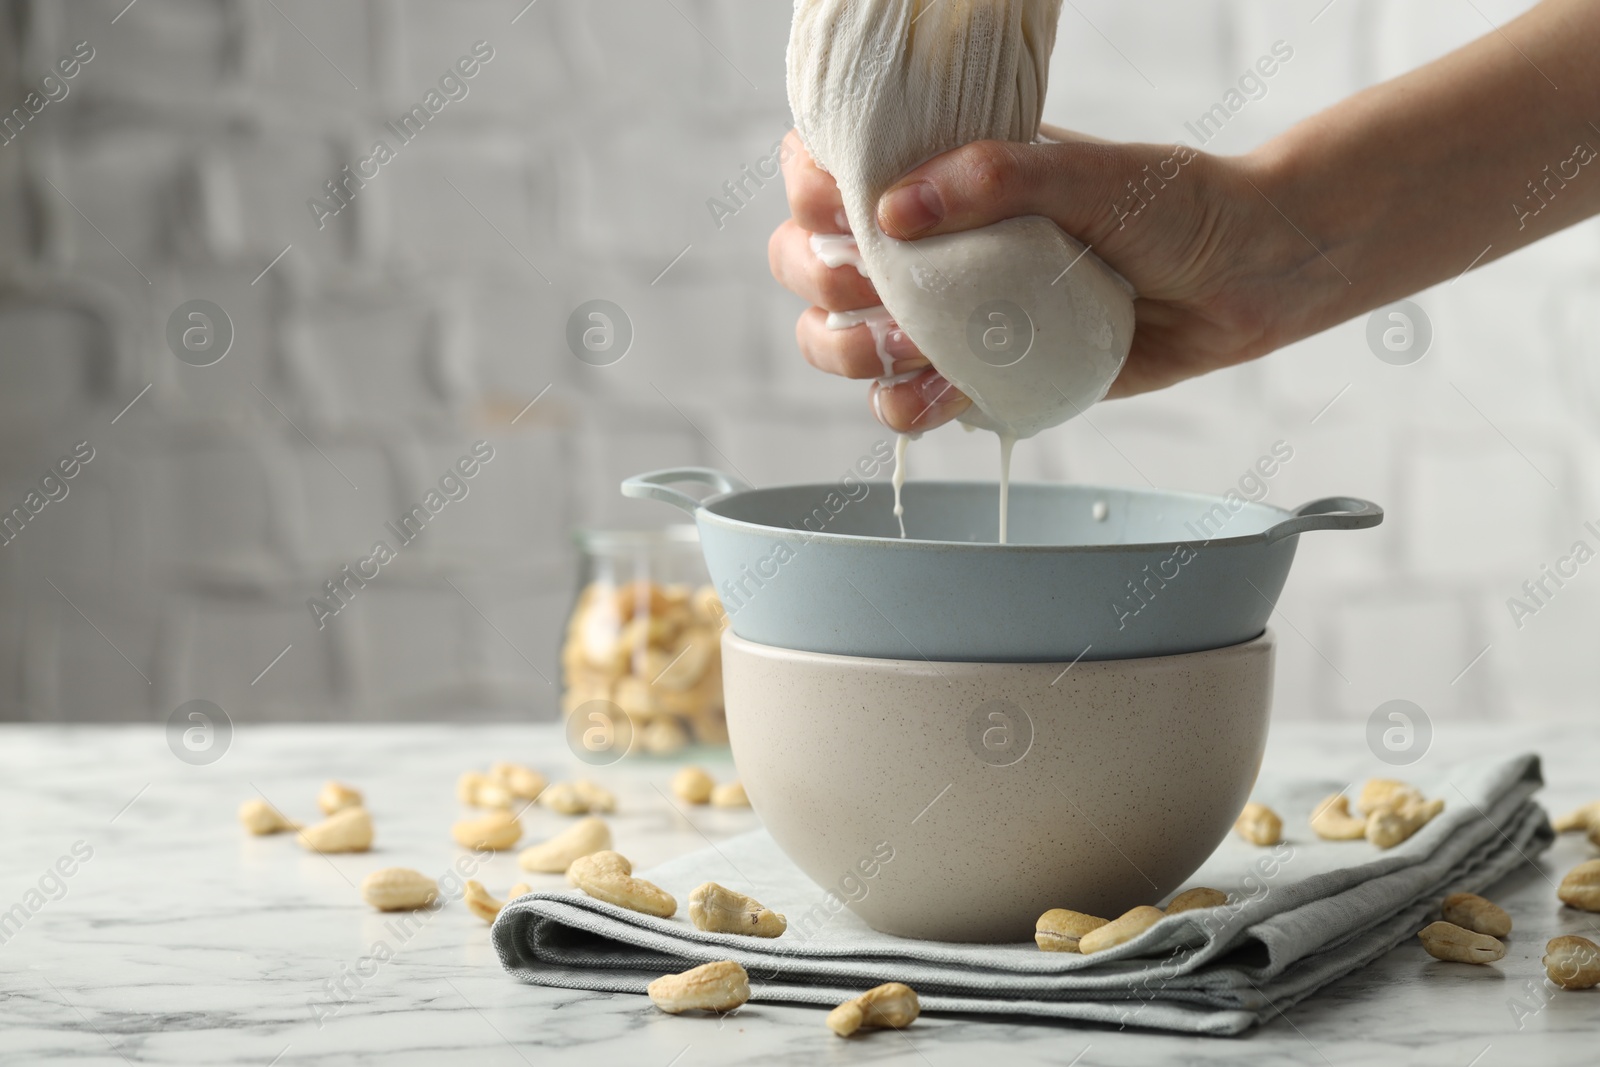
pixel 998 790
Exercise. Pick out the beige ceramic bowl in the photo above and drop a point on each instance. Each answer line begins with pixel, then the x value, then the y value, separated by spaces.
pixel 1002 789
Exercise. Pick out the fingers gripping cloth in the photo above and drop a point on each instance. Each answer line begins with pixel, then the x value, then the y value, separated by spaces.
pixel 880 86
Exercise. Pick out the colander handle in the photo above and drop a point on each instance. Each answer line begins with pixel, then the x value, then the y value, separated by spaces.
pixel 1329 513
pixel 657 485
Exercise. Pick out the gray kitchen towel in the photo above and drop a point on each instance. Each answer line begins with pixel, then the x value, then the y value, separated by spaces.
pixel 1298 916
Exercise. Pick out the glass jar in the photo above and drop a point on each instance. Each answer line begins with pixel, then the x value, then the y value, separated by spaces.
pixel 645 634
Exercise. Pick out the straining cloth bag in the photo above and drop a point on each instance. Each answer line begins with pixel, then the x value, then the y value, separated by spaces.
pixel 880 86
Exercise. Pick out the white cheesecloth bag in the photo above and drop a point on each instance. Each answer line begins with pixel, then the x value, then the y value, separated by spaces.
pixel 880 86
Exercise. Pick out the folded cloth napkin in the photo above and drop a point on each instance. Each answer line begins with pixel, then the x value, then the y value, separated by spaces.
pixel 1299 916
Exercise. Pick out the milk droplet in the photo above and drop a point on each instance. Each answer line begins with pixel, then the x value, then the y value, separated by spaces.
pixel 875 319
pixel 900 446
pixel 838 250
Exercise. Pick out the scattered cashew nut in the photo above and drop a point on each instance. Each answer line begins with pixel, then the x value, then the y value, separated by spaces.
pixel 564 798
pixel 1447 941
pixel 1572 962
pixel 598 797
pixel 1259 825
pixel 1127 926
pixel 1579 819
pixel 1386 794
pixel 608 876
pixel 582 838
pixel 1058 930
pixel 484 906
pixel 259 817
pixel 497 831
pixel 891 1005
pixel 399 889
pixel 1198 897
pixel 578 798
pixel 730 795
pixel 479 902
pixel 524 783
pixel 720 910
pixel 692 785
pixel 1332 820
pixel 1581 887
pixel 336 796
pixel 664 735
pixel 1472 912
pixel 480 791
pixel 1388 827
pixel 720 986
pixel 346 830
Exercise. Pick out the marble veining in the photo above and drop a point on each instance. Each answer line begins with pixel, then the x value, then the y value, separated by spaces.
pixel 183 940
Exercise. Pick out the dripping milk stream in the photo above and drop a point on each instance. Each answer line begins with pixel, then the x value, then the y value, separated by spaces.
pixel 900 445
pixel 837 250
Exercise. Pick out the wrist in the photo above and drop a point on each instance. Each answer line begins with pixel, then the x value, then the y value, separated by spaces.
pixel 1318 219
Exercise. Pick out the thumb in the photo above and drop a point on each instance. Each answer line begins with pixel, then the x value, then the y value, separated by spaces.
pixel 1077 184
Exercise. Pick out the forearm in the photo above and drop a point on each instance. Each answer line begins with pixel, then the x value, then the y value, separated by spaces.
pixel 1407 183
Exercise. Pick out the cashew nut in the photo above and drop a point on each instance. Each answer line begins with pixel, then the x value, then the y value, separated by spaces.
pixel 1471 912
pixel 578 798
pixel 1259 825
pixel 691 655
pixel 524 783
pixel 484 906
pixel 1385 794
pixel 708 606
pixel 720 986
pixel 1572 962
pixel 692 785
pixel 721 910
pixel 1332 820
pixel 1125 927
pixel 480 791
pixel 1198 897
pixel 497 831
pixel 1388 827
pixel 582 838
pixel 399 889
pixel 563 797
pixel 664 735
pixel 259 817
pixel 336 796
pixel 1579 819
pixel 730 795
pixel 1058 929
pixel 608 876
pixel 598 797
pixel 1581 887
pixel 891 1005
pixel 1447 941
pixel 346 830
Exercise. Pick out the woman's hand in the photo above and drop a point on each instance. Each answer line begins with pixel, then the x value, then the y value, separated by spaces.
pixel 1210 257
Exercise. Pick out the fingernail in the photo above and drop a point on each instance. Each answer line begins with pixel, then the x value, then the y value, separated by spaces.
pixel 876 395
pixel 910 210
pixel 935 391
pixel 900 347
pixel 842 221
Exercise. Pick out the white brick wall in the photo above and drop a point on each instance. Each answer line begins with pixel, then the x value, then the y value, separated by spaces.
pixel 417 322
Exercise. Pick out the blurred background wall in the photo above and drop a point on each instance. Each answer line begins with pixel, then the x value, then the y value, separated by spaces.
pixel 372 352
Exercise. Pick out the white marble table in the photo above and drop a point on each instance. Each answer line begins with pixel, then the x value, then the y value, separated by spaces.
pixel 183 940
